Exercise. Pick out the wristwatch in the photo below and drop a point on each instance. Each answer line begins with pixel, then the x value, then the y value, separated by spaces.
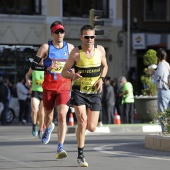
pixel 102 78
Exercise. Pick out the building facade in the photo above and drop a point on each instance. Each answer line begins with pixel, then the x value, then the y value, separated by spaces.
pixel 25 25
pixel 149 28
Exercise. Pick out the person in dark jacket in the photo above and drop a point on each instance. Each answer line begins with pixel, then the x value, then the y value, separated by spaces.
pixel 5 99
pixel 118 99
pixel 108 100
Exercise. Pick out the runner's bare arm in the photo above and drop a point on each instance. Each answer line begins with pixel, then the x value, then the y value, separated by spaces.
pixel 104 63
pixel 70 47
pixel 27 77
pixel 41 54
pixel 99 83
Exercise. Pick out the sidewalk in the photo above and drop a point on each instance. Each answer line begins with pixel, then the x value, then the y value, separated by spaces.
pixel 122 128
pixel 116 128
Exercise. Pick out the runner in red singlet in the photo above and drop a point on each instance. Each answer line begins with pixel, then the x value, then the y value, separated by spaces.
pixel 56 89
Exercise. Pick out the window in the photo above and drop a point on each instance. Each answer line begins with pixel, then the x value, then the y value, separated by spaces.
pixel 20 7
pixel 14 60
pixel 80 8
pixel 157 10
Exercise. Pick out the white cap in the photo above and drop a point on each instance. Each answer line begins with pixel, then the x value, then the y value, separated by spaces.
pixel 152 66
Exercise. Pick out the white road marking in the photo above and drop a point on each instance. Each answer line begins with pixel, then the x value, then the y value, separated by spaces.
pixel 19 162
pixel 112 152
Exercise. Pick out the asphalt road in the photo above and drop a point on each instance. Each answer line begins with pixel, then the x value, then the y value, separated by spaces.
pixel 19 150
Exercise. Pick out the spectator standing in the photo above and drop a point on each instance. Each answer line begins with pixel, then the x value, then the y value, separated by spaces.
pixel 13 89
pixel 108 100
pixel 161 79
pixel 100 120
pixel 56 89
pixel 28 107
pixel 127 100
pixel 89 61
pixel 118 99
pixel 5 99
pixel 22 93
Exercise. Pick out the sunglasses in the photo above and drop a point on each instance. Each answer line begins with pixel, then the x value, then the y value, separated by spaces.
pixel 59 31
pixel 88 37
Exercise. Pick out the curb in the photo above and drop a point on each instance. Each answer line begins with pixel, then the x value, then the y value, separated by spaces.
pixel 158 142
pixel 125 128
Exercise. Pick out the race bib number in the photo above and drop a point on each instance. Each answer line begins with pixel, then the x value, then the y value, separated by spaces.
pixel 60 67
pixel 39 82
pixel 87 87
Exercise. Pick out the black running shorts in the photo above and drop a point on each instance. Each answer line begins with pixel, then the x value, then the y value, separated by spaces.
pixel 38 95
pixel 92 101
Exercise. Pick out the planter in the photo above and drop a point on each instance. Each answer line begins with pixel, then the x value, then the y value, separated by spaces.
pixel 146 107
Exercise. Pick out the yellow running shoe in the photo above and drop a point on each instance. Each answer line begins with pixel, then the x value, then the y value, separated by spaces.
pixel 61 154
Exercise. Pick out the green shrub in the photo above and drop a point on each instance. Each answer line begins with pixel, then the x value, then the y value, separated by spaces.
pixel 146 79
pixel 163 119
pixel 150 57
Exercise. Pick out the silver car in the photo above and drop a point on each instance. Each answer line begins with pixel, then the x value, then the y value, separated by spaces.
pixel 13 110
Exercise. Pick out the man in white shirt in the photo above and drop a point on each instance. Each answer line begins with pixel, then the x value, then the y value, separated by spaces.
pixel 22 93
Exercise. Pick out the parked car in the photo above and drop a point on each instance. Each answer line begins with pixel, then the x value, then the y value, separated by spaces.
pixel 13 110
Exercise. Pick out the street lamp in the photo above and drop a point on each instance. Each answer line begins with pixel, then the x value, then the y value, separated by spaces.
pixel 128 35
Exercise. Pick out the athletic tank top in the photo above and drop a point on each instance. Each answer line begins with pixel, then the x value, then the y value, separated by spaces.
pixel 53 79
pixel 37 80
pixel 90 69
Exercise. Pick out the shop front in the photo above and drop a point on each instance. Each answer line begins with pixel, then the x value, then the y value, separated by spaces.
pixel 141 42
pixel 14 60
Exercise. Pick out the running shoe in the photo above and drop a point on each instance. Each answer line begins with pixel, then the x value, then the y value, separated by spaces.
pixel 61 153
pixel 34 130
pixel 40 134
pixel 81 162
pixel 47 134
